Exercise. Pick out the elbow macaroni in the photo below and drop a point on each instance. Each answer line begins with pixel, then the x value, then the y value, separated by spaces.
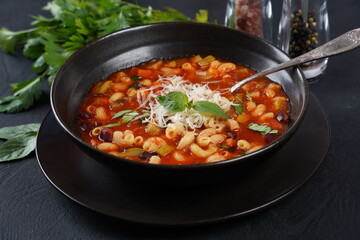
pixel 205 137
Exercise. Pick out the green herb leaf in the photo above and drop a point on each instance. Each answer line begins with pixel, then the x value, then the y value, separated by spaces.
pixel 39 65
pixel 209 107
pixel 10 104
pixel 135 85
pixel 10 39
pixel 18 147
pixel 21 140
pixel 73 24
pixel 174 101
pixel 263 129
pixel 239 108
pixel 224 146
pixel 129 116
pixel 25 94
pixel 121 113
pixel 33 48
pixel 135 77
pixel 112 125
pixel 28 92
pixel 16 131
pixel 202 16
pixel 248 96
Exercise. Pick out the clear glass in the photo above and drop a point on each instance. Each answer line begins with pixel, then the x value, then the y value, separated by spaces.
pixel 252 16
pixel 297 36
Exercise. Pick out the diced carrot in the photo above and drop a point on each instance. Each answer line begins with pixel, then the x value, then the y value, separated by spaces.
pixel 133 71
pixel 144 73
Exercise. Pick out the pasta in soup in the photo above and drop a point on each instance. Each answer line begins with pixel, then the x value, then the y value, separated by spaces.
pixel 181 111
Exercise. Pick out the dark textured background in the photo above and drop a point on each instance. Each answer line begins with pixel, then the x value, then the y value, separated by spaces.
pixel 325 207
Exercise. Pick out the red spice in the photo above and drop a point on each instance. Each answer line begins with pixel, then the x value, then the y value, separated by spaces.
pixel 248 16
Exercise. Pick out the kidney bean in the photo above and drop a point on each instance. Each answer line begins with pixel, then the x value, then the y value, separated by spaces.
pixel 87 126
pixel 232 149
pixel 148 155
pixel 231 134
pixel 105 135
pixel 85 115
pixel 269 138
pixel 282 117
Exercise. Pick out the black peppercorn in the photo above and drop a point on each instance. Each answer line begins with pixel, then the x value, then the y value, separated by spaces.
pixel 303 34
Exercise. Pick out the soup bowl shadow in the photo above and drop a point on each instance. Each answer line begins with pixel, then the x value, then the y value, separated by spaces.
pixel 132 46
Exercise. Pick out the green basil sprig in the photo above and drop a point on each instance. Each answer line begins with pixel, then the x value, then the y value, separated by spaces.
pixel 178 102
pixel 20 141
pixel 263 129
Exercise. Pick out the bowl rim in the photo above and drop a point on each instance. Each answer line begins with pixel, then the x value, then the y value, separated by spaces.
pixel 243 158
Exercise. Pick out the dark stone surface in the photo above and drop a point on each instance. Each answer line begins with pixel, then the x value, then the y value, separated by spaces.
pixel 325 207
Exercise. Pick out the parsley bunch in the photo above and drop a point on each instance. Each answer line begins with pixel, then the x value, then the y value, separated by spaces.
pixel 73 24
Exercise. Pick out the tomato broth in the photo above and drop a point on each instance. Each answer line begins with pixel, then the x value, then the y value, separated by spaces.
pixel 180 111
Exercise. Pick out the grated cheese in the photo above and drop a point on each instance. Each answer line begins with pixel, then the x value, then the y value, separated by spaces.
pixel 188 118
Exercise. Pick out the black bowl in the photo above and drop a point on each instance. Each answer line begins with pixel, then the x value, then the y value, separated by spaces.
pixel 132 46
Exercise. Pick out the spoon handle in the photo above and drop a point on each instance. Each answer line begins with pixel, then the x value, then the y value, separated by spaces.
pixel 343 43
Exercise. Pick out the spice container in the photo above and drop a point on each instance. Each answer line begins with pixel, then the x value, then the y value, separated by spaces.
pixel 304 25
pixel 252 16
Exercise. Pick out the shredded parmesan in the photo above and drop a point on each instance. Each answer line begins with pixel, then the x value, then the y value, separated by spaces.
pixel 188 118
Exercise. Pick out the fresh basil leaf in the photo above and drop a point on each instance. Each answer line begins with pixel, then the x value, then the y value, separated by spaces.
pixel 16 131
pixel 263 129
pixel 190 104
pixel 129 116
pixel 135 77
pixel 135 85
pixel 239 108
pixel 209 107
pixel 174 101
pixel 16 148
pixel 144 115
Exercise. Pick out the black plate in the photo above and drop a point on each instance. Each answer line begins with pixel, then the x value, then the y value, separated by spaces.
pixel 100 188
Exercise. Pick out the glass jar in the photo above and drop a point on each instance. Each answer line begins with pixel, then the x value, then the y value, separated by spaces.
pixel 252 16
pixel 304 25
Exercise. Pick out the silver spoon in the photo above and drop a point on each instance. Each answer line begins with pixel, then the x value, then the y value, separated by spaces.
pixel 343 43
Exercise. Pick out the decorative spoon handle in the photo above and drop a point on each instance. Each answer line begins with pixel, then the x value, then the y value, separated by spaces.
pixel 341 44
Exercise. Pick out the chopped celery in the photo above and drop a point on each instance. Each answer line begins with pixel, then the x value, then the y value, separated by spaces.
pixel 164 150
pixel 131 152
pixel 206 61
pixel 261 85
pixel 105 86
pixel 152 129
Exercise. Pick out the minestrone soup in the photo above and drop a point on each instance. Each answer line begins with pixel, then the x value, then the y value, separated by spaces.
pixel 181 111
